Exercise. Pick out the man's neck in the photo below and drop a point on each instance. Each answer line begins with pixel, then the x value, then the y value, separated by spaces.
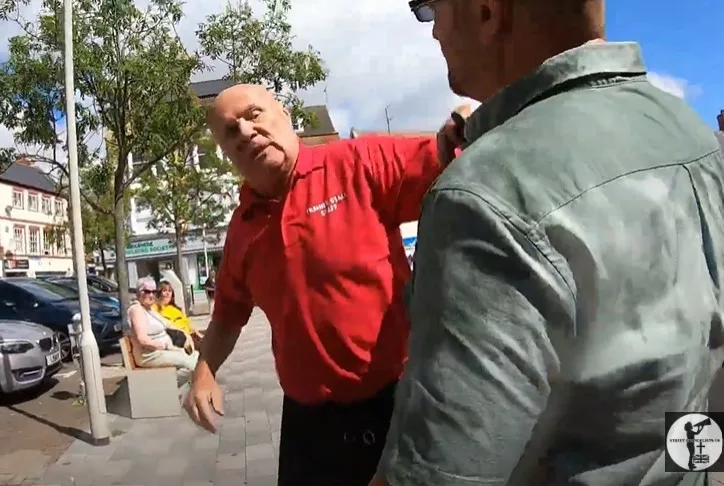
pixel 276 187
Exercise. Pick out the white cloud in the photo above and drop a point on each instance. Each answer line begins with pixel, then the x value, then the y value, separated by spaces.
pixel 676 86
pixel 6 137
pixel 377 55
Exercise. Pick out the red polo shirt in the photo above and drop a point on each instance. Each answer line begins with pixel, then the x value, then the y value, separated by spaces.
pixel 327 265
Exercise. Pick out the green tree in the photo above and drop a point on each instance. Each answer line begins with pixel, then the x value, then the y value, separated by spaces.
pixel 189 190
pixel 132 77
pixel 259 50
pixel 99 232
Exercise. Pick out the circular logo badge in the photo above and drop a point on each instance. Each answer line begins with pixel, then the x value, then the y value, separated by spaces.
pixel 694 442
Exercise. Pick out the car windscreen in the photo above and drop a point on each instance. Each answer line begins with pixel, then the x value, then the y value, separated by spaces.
pixel 107 281
pixel 72 284
pixel 46 291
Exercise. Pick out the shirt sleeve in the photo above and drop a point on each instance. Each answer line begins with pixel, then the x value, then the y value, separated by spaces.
pixel 477 379
pixel 233 303
pixel 401 169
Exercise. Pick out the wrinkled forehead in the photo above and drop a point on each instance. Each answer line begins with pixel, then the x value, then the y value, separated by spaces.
pixel 239 101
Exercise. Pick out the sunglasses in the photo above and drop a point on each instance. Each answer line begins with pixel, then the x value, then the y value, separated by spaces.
pixel 148 292
pixel 423 10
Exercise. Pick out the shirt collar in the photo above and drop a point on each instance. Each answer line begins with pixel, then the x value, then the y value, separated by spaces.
pixel 307 162
pixel 595 58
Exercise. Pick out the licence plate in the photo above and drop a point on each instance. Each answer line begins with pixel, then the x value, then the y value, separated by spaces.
pixel 53 358
pixel 117 327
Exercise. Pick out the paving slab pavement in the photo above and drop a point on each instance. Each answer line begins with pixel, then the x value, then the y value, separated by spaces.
pixel 173 451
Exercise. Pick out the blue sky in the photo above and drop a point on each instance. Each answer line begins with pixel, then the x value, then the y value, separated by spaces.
pixel 683 40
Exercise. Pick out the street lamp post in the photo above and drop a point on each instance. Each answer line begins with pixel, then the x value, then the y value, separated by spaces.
pixel 90 358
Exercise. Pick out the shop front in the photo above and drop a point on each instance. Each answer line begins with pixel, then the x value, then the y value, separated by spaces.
pixel 150 255
pixel 19 267
pixel 37 267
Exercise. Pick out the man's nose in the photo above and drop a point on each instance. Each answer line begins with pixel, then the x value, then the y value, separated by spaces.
pixel 435 30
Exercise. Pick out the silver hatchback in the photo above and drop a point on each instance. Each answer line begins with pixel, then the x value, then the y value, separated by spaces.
pixel 29 354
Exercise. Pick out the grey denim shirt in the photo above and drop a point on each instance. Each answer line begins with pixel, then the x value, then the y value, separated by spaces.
pixel 566 291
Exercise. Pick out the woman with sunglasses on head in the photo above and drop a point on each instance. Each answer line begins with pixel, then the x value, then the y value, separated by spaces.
pixel 152 346
pixel 176 317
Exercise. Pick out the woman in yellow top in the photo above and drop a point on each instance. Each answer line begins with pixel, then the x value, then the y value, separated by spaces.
pixel 166 306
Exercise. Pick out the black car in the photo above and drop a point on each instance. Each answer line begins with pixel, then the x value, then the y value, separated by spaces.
pixel 55 306
pixel 105 284
pixel 103 298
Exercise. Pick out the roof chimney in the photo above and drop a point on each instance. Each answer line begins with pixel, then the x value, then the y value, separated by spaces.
pixel 720 119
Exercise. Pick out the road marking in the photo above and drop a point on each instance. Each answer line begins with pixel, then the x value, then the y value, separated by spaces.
pixel 67 374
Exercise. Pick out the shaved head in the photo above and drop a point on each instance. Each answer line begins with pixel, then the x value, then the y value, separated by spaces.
pixel 488 44
pixel 255 131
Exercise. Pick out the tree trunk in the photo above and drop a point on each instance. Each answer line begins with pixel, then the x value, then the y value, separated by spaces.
pixel 119 220
pixel 183 274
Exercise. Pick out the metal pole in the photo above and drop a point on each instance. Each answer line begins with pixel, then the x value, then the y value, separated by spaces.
pixel 90 358
pixel 206 250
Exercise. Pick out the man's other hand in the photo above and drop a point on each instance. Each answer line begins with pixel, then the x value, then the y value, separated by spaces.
pixel 449 138
pixel 205 400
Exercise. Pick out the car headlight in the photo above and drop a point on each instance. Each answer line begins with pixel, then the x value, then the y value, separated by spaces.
pixel 16 347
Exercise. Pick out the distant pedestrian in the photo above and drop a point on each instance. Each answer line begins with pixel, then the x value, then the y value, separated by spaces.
pixel 316 244
pixel 210 288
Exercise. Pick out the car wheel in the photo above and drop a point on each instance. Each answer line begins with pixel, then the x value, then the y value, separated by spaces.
pixel 65 347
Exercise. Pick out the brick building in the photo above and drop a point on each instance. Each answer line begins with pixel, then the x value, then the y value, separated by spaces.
pixel 34 241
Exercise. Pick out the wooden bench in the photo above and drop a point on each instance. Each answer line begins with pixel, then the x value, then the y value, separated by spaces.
pixel 152 392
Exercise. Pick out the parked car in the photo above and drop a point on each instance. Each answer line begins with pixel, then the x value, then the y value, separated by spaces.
pixel 29 354
pixel 55 306
pixel 99 296
pixel 105 284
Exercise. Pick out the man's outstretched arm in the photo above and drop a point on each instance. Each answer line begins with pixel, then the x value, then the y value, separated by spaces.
pixel 480 355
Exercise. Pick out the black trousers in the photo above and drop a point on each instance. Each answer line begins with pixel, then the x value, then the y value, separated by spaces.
pixel 332 444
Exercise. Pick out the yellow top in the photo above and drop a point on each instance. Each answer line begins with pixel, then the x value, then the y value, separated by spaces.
pixel 175 317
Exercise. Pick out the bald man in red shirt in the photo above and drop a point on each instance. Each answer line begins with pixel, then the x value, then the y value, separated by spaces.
pixel 316 244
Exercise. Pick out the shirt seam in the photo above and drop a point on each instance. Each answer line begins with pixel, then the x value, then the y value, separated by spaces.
pixel 620 176
pixel 520 230
pixel 400 471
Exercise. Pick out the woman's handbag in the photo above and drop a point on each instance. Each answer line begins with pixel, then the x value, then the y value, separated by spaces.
pixel 178 338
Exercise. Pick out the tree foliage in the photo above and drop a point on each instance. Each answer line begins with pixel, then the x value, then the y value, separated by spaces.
pixel 190 189
pixel 259 50
pixel 132 77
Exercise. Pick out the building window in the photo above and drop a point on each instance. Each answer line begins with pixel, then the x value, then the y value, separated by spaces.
pixel 47 206
pixel 58 207
pixel 33 202
pixel 19 240
pixel 34 240
pixel 60 244
pixel 47 242
pixel 298 125
pixel 18 199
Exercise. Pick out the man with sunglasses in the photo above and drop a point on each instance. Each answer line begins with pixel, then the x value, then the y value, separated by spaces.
pixel 568 273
